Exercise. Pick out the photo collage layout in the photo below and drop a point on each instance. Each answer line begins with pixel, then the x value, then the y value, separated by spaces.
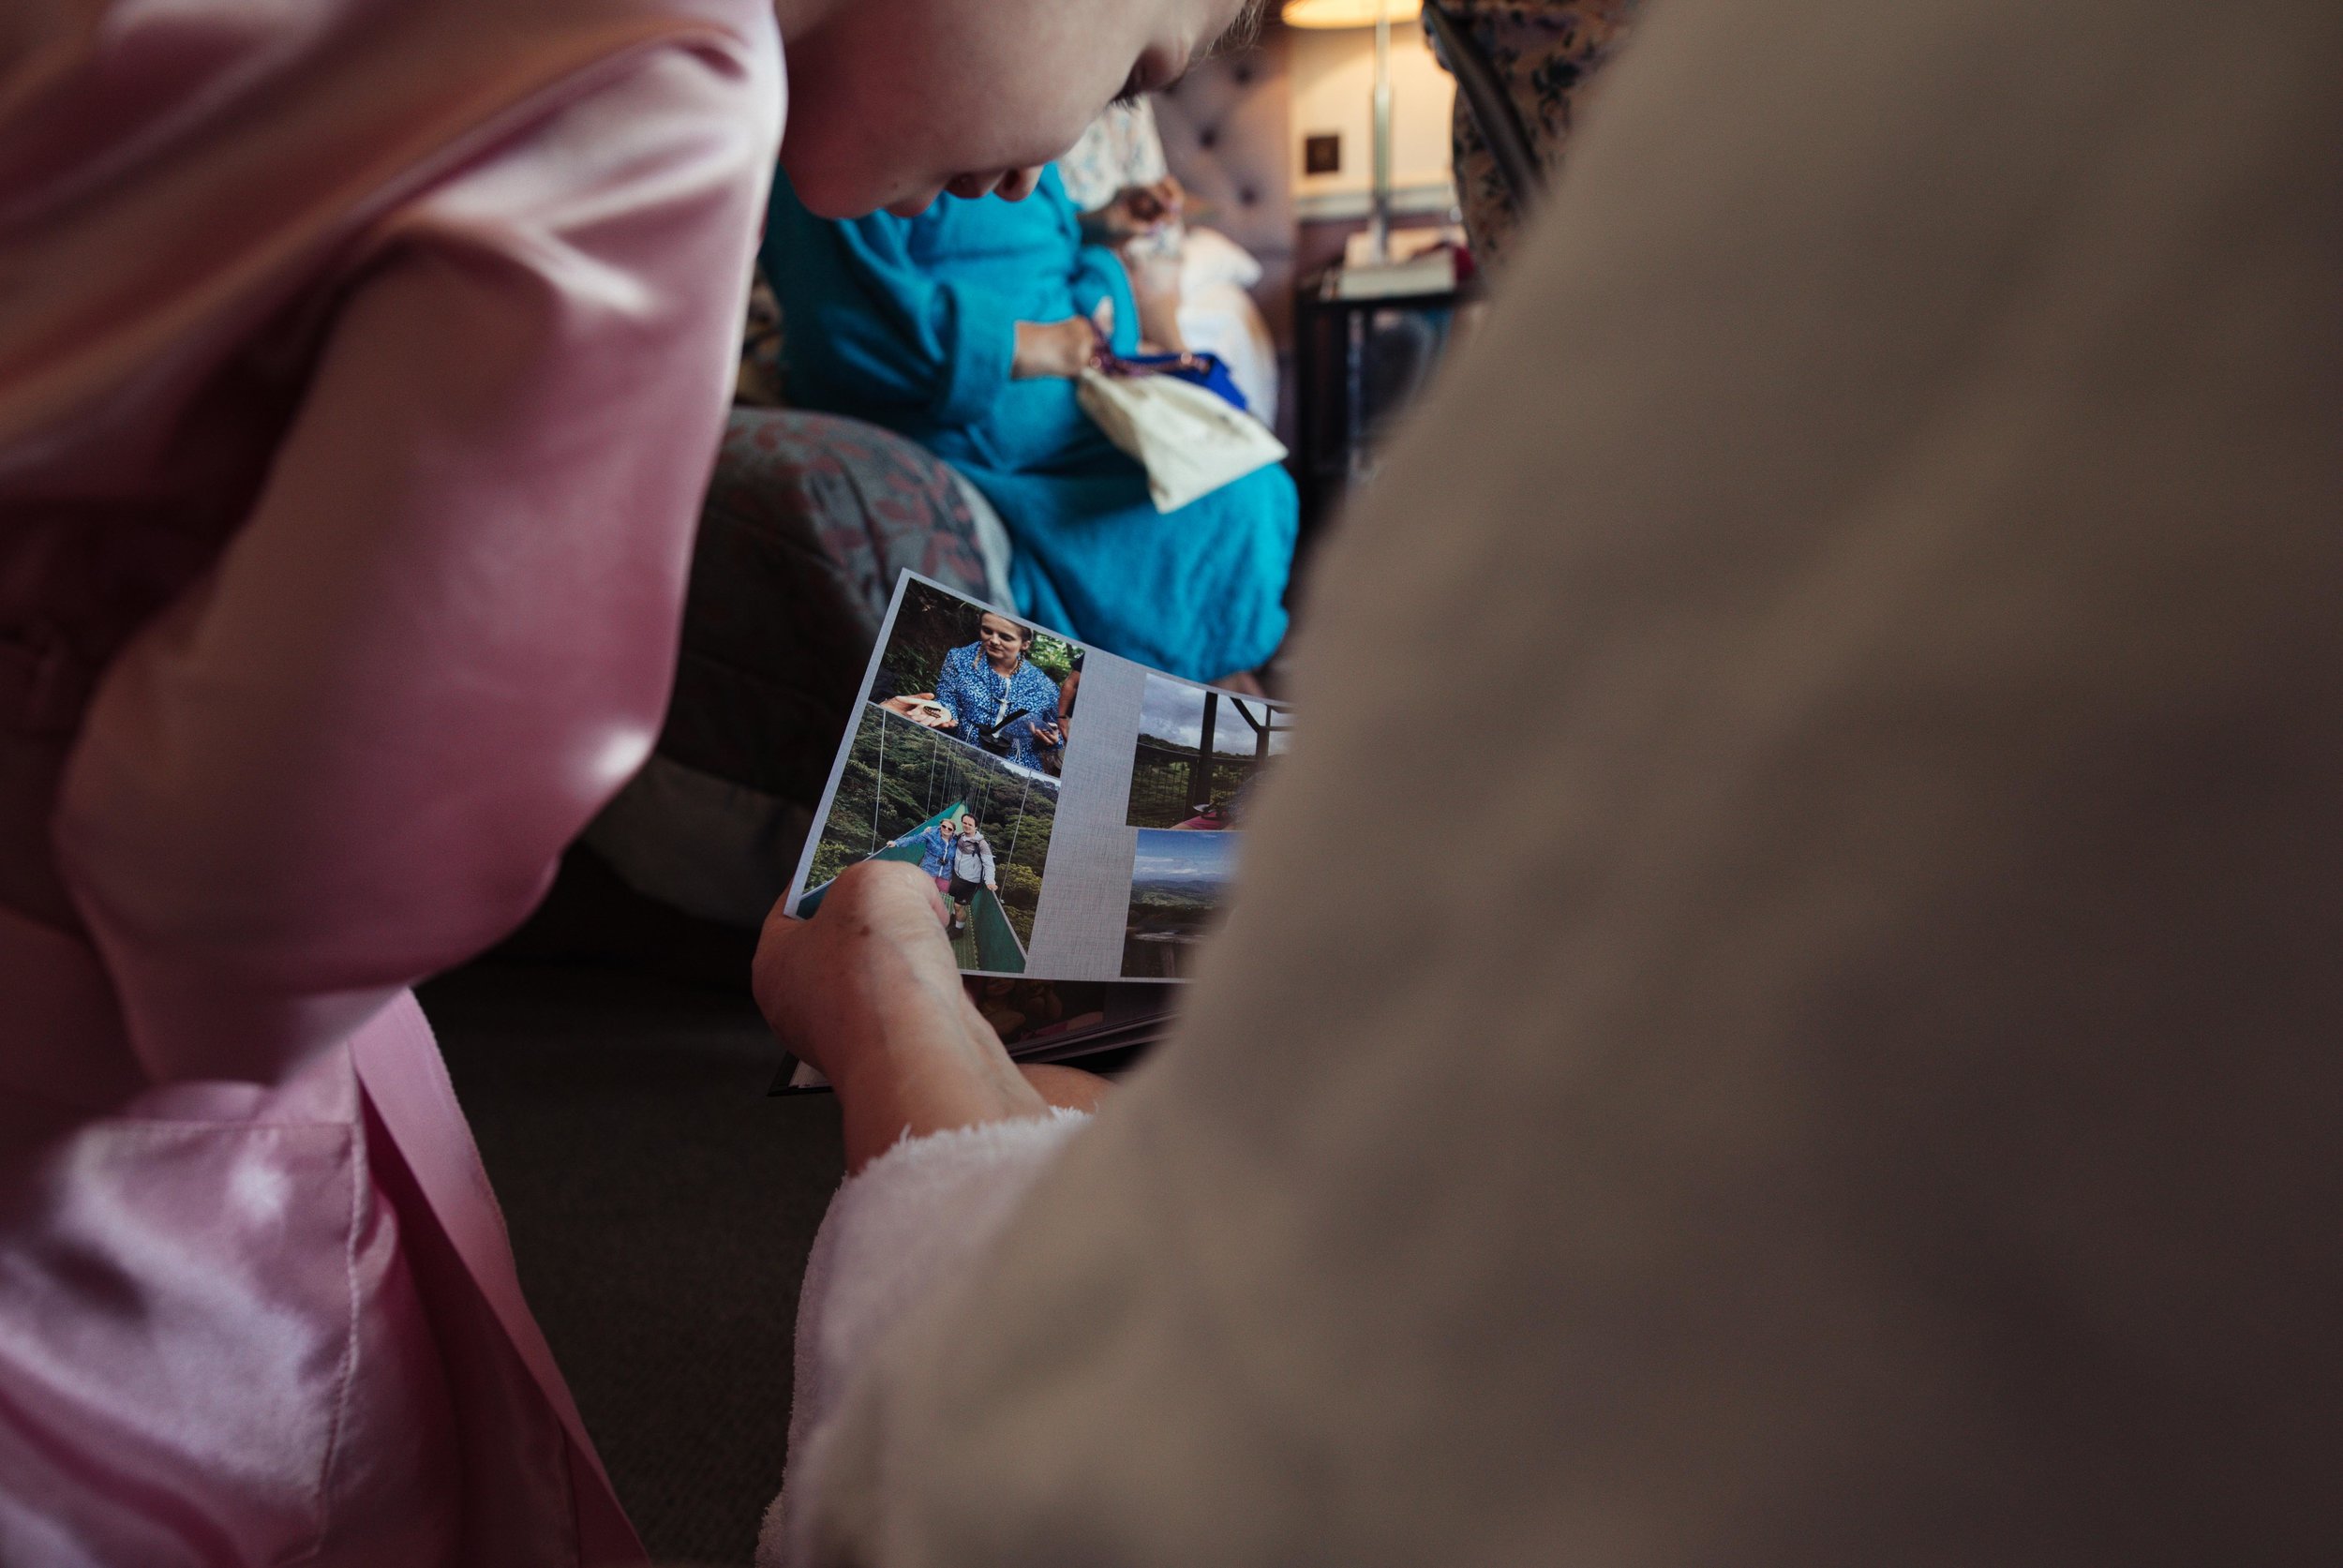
pixel 1081 814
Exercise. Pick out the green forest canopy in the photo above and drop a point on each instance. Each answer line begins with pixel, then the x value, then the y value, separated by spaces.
pixel 924 772
pixel 930 624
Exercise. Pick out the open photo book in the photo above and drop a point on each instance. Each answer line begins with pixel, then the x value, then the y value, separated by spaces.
pixel 1081 814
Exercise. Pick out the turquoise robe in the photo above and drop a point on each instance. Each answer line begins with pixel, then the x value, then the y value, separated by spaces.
pixel 910 323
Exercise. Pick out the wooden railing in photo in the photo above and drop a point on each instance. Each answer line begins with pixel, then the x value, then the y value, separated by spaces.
pixel 1171 782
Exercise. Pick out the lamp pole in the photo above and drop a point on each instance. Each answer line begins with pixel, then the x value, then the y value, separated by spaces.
pixel 1379 199
pixel 1352 14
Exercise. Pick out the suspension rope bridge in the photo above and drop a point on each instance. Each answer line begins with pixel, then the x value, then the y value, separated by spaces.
pixel 987 937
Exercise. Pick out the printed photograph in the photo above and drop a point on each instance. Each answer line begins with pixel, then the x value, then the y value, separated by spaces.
pixel 985 679
pixel 973 820
pixel 1029 1012
pixel 1179 881
pixel 1199 753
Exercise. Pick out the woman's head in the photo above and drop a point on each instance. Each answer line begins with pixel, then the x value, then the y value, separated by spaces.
pixel 950 825
pixel 1003 640
pixel 893 101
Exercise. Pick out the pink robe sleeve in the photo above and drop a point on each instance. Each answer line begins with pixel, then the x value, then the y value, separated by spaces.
pixel 349 755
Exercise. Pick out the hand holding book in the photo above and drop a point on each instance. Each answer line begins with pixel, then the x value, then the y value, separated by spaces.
pixel 1096 857
pixel 868 992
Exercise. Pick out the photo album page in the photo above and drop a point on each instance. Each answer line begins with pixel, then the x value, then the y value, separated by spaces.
pixel 1081 814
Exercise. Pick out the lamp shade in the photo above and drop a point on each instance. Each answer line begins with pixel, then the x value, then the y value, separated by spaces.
pixel 1347 13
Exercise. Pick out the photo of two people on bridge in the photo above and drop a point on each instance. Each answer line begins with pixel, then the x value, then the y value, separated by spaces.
pixel 954 851
pixel 1199 754
pixel 973 821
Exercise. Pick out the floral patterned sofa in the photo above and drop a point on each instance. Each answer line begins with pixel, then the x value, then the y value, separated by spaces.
pixel 809 519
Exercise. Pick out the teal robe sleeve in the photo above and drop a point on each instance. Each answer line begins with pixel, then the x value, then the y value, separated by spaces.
pixel 874 323
pixel 860 317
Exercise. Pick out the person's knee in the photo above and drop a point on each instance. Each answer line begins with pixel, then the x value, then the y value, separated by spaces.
pixel 1066 1088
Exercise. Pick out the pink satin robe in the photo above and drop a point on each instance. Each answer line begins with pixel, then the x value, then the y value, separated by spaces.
pixel 362 363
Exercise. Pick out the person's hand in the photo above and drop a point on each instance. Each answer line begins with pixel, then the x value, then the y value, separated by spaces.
pixel 921 708
pixel 1048 736
pixel 1163 202
pixel 868 993
pixel 1053 348
pixel 1138 210
pixel 1156 289
pixel 993 886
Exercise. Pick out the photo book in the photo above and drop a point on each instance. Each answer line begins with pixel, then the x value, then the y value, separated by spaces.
pixel 1081 815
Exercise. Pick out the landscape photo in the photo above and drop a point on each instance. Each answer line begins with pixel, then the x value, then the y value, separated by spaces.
pixel 1179 882
pixel 1200 753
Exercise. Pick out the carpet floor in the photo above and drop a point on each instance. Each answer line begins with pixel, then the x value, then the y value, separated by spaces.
pixel 661 1208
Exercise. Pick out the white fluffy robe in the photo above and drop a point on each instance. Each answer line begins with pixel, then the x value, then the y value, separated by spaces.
pixel 1829 1053
pixel 898 1230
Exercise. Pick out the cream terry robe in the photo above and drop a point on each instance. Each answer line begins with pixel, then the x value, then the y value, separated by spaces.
pixel 1831 1058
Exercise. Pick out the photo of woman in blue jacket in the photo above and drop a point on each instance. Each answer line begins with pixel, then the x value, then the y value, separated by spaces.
pixel 998 698
pixel 935 850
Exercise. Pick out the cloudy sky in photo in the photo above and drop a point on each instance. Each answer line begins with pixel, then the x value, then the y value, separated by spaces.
pixel 1191 857
pixel 1173 711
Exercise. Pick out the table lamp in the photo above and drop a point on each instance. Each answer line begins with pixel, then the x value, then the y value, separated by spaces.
pixel 1380 15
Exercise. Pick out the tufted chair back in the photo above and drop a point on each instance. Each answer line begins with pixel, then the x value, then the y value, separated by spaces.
pixel 1225 137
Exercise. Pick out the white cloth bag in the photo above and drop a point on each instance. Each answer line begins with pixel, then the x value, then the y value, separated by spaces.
pixel 1191 441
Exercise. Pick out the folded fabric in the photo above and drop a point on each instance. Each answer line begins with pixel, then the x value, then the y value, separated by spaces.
pixel 1191 441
